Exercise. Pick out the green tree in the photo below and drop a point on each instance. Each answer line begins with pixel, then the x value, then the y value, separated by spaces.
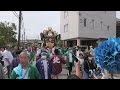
pixel 7 33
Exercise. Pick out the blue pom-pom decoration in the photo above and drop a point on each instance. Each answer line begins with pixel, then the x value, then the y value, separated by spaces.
pixel 107 55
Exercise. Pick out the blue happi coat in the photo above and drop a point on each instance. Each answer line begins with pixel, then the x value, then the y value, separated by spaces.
pixel 40 67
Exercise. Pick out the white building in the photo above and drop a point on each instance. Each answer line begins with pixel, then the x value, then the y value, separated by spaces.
pixel 87 27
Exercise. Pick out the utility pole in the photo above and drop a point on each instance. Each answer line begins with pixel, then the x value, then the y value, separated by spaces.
pixel 19 33
pixel 22 39
pixel 24 36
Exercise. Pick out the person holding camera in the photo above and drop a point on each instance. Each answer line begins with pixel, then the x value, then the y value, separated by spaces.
pixel 78 74
pixel 89 66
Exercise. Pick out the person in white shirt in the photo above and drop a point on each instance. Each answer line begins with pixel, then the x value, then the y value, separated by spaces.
pixel 79 52
pixel 69 60
pixel 91 50
pixel 81 59
pixel 38 51
pixel 7 57
pixel 50 51
pixel 53 49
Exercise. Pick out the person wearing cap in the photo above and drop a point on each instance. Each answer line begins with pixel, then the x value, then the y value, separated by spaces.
pixel 44 66
pixel 69 60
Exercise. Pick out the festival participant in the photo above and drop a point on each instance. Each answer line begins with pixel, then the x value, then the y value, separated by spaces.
pixel 59 51
pixel 16 61
pixel 91 50
pixel 7 57
pixel 78 74
pixel 25 70
pixel 50 51
pixel 31 55
pixel 38 56
pixel 44 66
pixel 79 52
pixel 57 64
pixel 39 51
pixel 45 49
pixel 89 66
pixel 69 60
pixel 53 49
pixel 81 59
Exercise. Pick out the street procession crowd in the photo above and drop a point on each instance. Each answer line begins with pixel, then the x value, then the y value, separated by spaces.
pixel 47 63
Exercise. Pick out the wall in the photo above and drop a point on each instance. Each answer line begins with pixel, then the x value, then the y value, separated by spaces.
pixel 76 24
pixel 72 21
pixel 108 18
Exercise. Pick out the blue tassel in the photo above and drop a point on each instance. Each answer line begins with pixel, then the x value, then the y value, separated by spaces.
pixel 107 54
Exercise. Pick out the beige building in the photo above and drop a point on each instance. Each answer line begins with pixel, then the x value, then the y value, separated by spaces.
pixel 87 27
pixel 29 42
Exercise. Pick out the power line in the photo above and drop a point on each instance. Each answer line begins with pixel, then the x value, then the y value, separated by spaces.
pixel 23 29
pixel 21 26
pixel 15 14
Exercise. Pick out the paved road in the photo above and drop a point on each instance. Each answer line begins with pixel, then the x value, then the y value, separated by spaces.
pixel 64 72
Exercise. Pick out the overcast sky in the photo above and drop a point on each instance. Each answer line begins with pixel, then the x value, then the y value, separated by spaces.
pixel 36 21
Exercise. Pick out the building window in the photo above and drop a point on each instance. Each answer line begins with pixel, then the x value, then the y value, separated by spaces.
pixel 65 14
pixel 101 25
pixel 108 27
pixel 92 23
pixel 66 28
pixel 84 22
